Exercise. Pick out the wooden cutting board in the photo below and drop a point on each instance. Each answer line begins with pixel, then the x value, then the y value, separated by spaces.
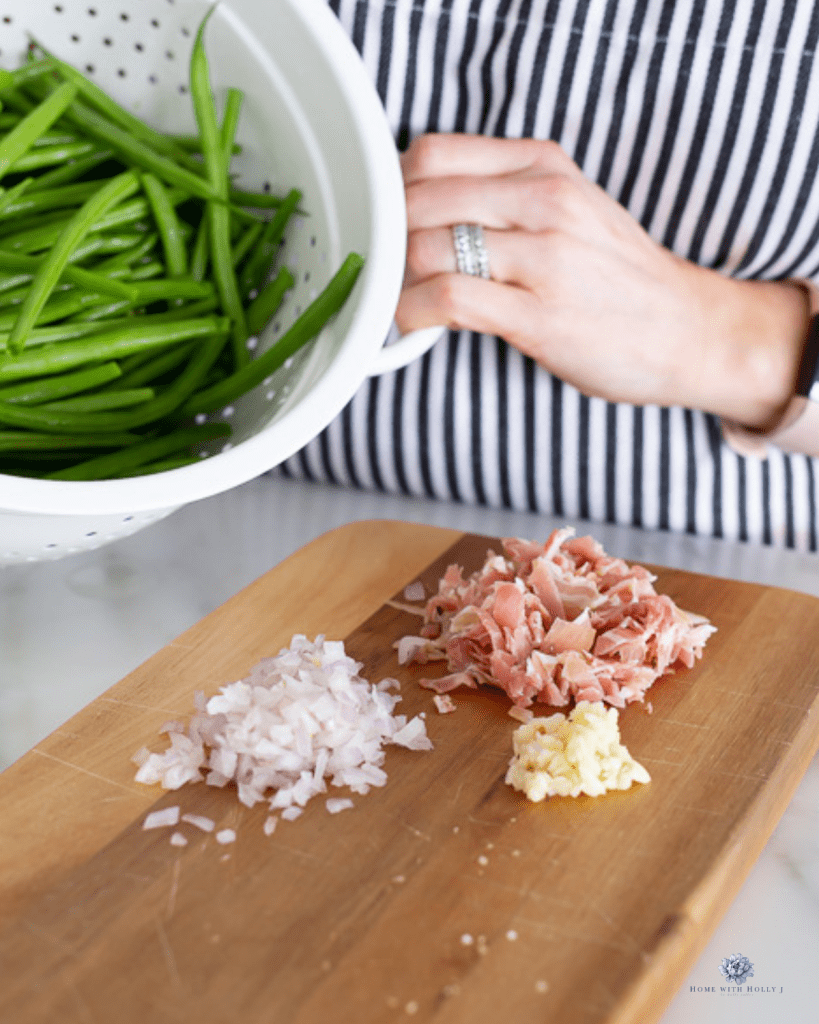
pixel 579 911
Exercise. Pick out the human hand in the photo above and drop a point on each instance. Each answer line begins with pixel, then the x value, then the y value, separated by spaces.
pixel 579 286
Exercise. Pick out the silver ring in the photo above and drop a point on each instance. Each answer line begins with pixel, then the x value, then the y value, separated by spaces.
pixel 471 256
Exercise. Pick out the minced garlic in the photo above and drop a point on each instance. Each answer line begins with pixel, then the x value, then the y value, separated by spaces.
pixel 560 756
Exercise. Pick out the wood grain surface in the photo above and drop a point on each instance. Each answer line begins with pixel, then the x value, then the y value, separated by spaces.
pixel 445 896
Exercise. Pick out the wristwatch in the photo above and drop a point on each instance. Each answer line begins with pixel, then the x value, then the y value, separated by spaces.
pixel 807 383
pixel 798 429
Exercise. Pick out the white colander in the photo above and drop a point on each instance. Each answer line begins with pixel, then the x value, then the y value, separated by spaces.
pixel 311 120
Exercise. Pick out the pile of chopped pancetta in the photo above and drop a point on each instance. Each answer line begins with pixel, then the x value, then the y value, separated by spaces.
pixel 555 622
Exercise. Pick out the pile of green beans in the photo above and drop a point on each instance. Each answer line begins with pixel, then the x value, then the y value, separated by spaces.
pixel 133 274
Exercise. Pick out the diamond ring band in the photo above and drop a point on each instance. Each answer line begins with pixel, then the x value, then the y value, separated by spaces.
pixel 470 250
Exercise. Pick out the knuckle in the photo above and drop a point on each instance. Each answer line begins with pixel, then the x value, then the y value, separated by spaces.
pixel 449 296
pixel 550 156
pixel 556 193
pixel 421 156
pixel 420 255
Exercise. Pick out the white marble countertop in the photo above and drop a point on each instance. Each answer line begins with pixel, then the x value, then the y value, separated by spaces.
pixel 69 629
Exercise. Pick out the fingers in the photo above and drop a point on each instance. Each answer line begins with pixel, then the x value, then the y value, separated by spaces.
pixel 445 156
pixel 526 202
pixel 462 302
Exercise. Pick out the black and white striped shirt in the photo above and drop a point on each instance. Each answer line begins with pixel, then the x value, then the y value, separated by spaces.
pixel 702 118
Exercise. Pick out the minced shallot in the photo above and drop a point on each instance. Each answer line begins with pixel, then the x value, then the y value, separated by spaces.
pixel 297 720
pixel 162 819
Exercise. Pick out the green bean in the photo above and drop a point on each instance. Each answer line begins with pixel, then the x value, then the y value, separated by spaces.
pixel 47 275
pixel 45 235
pixel 260 264
pixel 15 441
pixel 10 197
pixel 15 100
pixel 51 198
pixel 13 283
pixel 72 170
pixel 167 290
pixel 248 238
pixel 49 156
pixel 64 331
pixel 137 455
pixel 305 328
pixel 55 138
pixel 34 68
pixel 173 240
pixel 15 296
pixel 125 213
pixel 118 341
pixel 19 140
pixel 157 408
pixel 226 284
pixel 230 122
pixel 137 152
pixel 47 389
pixel 214 146
pixel 109 108
pixel 102 401
pixel 154 366
pixel 100 245
pixel 187 311
pixel 205 111
pixel 103 312
pixel 69 302
pixel 193 144
pixel 267 302
pixel 37 231
pixel 172 288
pixel 200 252
pixel 76 275
pixel 160 466
pixel 261 200
pixel 146 271
pixel 128 257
